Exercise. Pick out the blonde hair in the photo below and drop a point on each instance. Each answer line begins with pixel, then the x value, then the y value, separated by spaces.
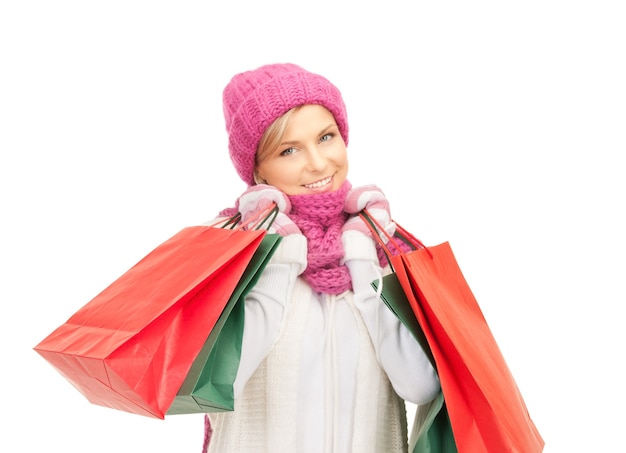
pixel 270 141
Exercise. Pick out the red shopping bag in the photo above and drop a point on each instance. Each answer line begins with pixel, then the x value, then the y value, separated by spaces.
pixel 131 347
pixel 486 409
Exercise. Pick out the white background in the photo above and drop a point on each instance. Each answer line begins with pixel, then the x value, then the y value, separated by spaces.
pixel 497 126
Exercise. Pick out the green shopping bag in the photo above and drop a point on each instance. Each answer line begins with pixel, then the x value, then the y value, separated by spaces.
pixel 208 386
pixel 432 431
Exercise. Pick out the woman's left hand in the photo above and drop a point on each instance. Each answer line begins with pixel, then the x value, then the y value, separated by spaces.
pixel 372 199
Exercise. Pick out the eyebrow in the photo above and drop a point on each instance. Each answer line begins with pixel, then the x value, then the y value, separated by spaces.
pixel 322 132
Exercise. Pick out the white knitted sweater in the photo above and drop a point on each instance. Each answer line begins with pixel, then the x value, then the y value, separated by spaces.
pixel 322 373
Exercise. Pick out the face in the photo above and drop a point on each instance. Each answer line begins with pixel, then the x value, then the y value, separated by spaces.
pixel 312 156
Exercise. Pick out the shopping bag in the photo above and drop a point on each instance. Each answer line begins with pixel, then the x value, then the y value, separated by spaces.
pixel 432 431
pixel 486 409
pixel 131 347
pixel 208 386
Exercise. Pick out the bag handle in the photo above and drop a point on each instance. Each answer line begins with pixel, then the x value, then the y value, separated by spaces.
pixel 258 219
pixel 255 222
pixel 400 234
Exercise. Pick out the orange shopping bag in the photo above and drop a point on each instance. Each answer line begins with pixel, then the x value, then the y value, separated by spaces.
pixel 131 347
pixel 486 410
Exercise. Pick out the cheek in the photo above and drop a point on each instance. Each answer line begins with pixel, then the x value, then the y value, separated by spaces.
pixel 264 170
pixel 341 161
pixel 340 157
pixel 277 174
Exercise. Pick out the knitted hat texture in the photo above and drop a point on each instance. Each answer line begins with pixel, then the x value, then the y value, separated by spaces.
pixel 252 100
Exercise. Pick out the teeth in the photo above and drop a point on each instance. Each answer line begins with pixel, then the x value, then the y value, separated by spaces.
pixel 317 184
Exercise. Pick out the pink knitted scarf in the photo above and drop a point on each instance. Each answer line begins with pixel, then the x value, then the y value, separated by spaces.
pixel 320 218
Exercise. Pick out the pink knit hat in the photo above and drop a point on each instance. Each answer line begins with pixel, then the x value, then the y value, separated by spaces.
pixel 254 99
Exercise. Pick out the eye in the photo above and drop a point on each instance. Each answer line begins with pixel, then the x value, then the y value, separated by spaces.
pixel 288 152
pixel 326 137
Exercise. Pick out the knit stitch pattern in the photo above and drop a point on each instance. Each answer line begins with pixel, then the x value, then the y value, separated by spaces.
pixel 321 217
pixel 253 100
pixel 265 416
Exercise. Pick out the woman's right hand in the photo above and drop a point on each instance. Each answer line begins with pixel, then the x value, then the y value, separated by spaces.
pixel 259 198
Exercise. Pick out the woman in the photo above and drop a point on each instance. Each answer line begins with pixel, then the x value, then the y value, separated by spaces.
pixel 325 365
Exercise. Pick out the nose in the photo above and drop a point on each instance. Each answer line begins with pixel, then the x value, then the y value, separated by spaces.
pixel 316 159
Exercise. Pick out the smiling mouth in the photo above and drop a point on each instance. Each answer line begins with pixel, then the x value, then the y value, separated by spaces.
pixel 320 183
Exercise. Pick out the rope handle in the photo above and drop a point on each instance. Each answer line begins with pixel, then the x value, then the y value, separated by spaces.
pixel 401 234
pixel 255 222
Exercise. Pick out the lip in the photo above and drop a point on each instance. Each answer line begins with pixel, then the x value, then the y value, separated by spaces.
pixel 320 185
